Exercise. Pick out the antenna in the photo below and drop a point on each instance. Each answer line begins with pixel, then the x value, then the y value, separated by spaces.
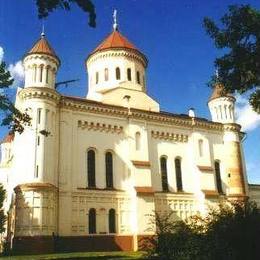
pixel 66 82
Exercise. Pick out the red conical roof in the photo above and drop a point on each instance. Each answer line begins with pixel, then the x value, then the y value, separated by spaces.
pixel 117 41
pixel 42 46
pixel 218 92
pixel 8 138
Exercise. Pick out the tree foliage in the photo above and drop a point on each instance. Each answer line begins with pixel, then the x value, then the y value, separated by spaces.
pixel 2 214
pixel 47 6
pixel 229 232
pixel 238 35
pixel 13 118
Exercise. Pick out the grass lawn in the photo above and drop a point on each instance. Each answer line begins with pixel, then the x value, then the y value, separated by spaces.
pixel 81 256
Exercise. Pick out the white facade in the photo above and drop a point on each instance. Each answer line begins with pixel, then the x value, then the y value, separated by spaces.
pixel 160 161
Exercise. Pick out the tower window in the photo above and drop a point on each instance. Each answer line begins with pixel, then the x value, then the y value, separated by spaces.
pixel 47 74
pixel 34 73
pixel 138 77
pixel 92 221
pixel 129 74
pixel 41 73
pixel 137 141
pixel 109 170
pixel 97 76
pixel 178 174
pixel 106 74
pixel 118 76
pixel 163 162
pixel 218 177
pixel 37 171
pixel 91 168
pixel 112 221
pixel 201 148
pixel 39 115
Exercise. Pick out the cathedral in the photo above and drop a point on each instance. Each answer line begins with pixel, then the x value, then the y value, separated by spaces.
pixel 89 173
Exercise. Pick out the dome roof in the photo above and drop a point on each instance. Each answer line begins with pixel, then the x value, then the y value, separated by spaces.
pixel 116 40
pixel 42 46
pixel 8 138
pixel 218 92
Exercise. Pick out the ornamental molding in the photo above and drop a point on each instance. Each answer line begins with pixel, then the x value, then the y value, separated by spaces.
pixel 42 56
pixel 35 186
pixel 232 127
pixel 39 92
pixel 117 53
pixel 169 136
pixel 80 104
pixel 101 127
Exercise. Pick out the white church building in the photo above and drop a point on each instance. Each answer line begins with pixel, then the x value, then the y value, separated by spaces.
pixel 89 173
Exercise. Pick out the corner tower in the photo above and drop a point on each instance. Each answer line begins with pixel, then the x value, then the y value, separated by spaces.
pixel 41 64
pixel 116 69
pixel 222 109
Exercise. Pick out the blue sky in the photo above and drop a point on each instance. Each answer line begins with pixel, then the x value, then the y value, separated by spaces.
pixel 169 32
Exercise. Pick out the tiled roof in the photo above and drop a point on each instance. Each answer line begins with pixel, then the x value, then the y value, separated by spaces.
pixel 8 138
pixel 218 92
pixel 115 40
pixel 42 46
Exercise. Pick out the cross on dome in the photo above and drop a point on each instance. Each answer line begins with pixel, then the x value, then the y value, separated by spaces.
pixel 115 25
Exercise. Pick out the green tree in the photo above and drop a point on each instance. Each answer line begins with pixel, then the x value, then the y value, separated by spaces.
pixel 238 36
pixel 13 118
pixel 229 232
pixel 2 214
pixel 47 6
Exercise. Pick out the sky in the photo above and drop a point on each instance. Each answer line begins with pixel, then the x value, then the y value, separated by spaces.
pixel 169 32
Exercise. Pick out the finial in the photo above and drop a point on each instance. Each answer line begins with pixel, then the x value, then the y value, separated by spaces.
pixel 43 33
pixel 217 74
pixel 115 25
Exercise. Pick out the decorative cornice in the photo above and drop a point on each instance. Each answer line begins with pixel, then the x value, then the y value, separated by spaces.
pixel 144 190
pixel 41 56
pixel 39 92
pixel 169 136
pixel 232 127
pixel 35 186
pixel 120 52
pixel 205 168
pixel 143 164
pixel 100 127
pixel 81 104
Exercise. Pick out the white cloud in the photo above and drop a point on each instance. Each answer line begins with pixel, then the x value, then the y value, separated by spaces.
pixel 17 72
pixel 246 117
pixel 1 54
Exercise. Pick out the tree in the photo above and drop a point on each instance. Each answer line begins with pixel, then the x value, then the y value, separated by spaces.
pixel 15 119
pixel 239 38
pixel 229 231
pixel 47 6
pixel 2 214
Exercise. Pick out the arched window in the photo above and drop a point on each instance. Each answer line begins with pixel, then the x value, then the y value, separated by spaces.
pixel 225 110
pixel 92 221
pixel 178 174
pixel 112 221
pixel 163 162
pixel 91 168
pixel 47 74
pixel 218 177
pixel 138 77
pixel 34 73
pixel 97 77
pixel 41 72
pixel 201 148
pixel 129 74
pixel 106 74
pixel 109 170
pixel 137 141
pixel 118 76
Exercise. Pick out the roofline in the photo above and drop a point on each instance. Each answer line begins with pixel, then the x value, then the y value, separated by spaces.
pixel 227 96
pixel 119 48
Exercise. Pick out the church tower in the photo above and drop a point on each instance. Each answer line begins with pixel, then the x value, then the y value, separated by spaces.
pixel 222 109
pixel 36 149
pixel 116 70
